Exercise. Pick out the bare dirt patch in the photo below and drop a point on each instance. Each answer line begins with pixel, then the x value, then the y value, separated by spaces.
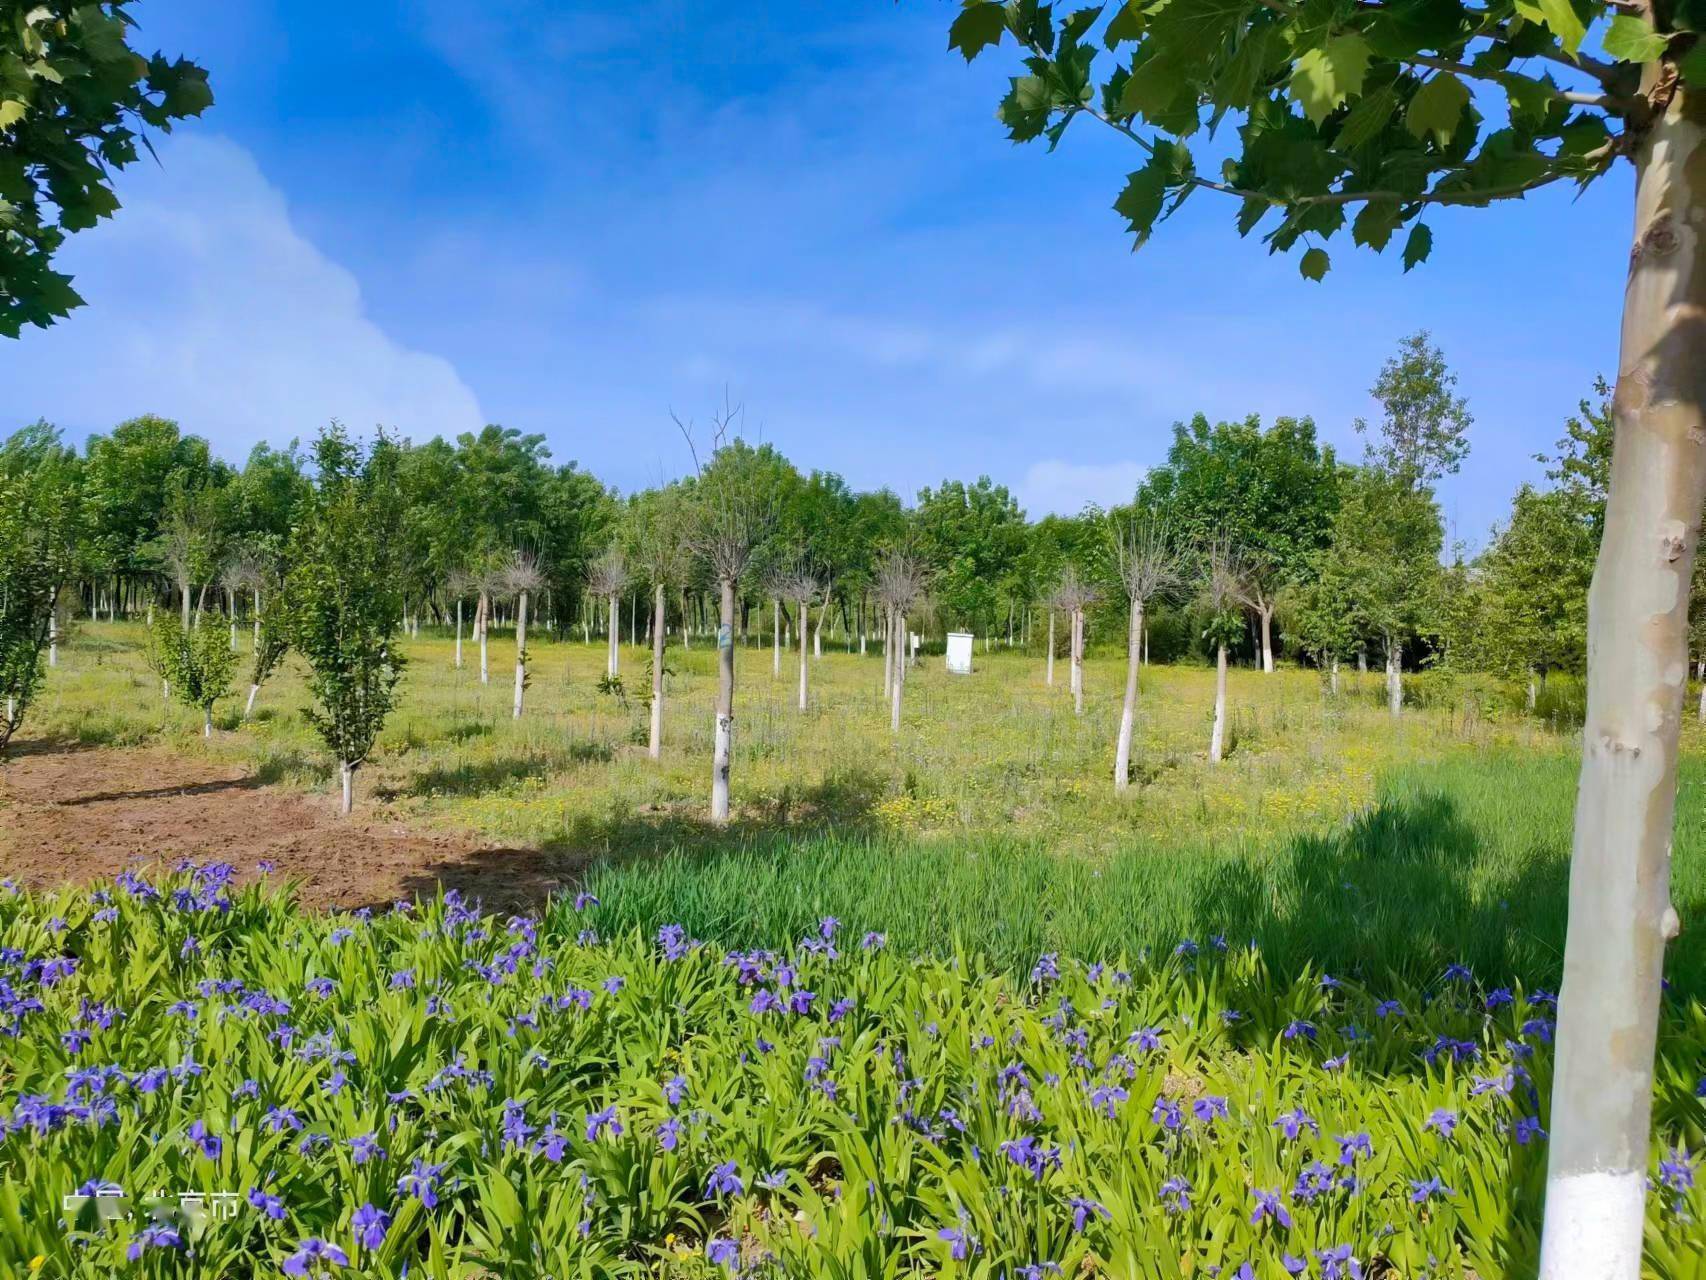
pixel 70 815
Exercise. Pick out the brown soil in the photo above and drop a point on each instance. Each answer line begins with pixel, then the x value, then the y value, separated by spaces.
pixel 70 815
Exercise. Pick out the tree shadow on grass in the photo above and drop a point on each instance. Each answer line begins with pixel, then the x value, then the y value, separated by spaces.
pixel 1409 886
pixel 523 879
pixel 478 777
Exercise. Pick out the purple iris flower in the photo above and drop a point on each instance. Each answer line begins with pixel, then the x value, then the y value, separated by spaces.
pixel 1269 1205
pixel 603 1121
pixel 720 1251
pixel 314 1254
pixel 725 1181
pixel 370 1225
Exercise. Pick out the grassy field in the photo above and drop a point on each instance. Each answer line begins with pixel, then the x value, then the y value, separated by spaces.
pixel 1332 835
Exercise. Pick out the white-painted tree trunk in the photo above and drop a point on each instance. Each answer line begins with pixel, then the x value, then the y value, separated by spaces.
pixel 207 721
pixel 1078 662
pixel 255 624
pixel 520 655
pixel 660 636
pixel 1394 677
pixel 348 772
pixel 613 667
pixel 1533 689
pixel 775 639
pixel 1362 661
pixel 249 706
pixel 1128 711
pixel 1048 670
pixel 52 632
pixel 1217 736
pixel 722 743
pixel 1333 678
pixel 900 640
pixel 1267 614
pixel 459 635
pixel 1620 911
pixel 483 624
pixel 805 609
pixel 888 651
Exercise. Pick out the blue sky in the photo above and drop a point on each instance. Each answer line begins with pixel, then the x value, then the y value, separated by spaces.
pixel 573 219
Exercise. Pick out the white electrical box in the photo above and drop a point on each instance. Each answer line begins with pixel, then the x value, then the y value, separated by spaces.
pixel 959 653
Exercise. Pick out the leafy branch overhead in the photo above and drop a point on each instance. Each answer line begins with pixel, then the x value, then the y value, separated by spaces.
pixel 1330 112
pixel 75 101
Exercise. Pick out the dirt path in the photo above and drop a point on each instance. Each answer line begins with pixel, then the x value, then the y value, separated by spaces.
pixel 70 815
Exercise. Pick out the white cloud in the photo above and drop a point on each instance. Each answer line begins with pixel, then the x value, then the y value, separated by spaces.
pixel 1066 488
pixel 205 304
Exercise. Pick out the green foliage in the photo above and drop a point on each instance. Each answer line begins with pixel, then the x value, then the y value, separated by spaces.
pixel 198 663
pixel 343 597
pixel 971 538
pixel 41 530
pixel 74 101
pixel 1384 109
pixel 1424 432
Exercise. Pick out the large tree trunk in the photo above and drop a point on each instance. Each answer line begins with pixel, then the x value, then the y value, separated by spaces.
pixel 520 654
pixel 1217 736
pixel 723 738
pixel 1048 672
pixel 805 613
pixel 1267 612
pixel 1620 911
pixel 660 635
pixel 1122 749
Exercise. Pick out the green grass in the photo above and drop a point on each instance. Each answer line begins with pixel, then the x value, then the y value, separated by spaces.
pixel 1332 835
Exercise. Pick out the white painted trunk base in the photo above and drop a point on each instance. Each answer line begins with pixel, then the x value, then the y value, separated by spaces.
pixel 1593 1226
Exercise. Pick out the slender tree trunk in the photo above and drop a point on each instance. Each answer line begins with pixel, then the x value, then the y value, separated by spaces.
pixel 482 624
pixel 614 667
pixel 207 721
pixel 805 612
pixel 1533 690
pixel 1078 662
pixel 520 654
pixel 660 636
pixel 459 634
pixel 775 638
pixel 255 636
pixel 1217 736
pixel 1362 661
pixel 52 630
pixel 1333 679
pixel 184 591
pixel 348 771
pixel 1620 914
pixel 1128 712
pixel 723 737
pixel 1703 702
pixel 888 650
pixel 1048 670
pixel 817 631
pixel 1395 677
pixel 900 635
pixel 231 608
pixel 249 706
pixel 1267 612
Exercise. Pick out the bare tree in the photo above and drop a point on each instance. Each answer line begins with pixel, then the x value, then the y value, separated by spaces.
pixel 243 572
pixel 1073 595
pixel 607 577
pixel 900 585
pixel 1150 564
pixel 658 532
pixel 1223 591
pixel 802 587
pixel 488 581
pixel 521 578
pixel 734 507
pixel 458 585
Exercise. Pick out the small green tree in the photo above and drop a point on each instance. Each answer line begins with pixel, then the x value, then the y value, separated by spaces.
pixel 272 640
pixel 40 527
pixel 344 599
pixel 197 663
